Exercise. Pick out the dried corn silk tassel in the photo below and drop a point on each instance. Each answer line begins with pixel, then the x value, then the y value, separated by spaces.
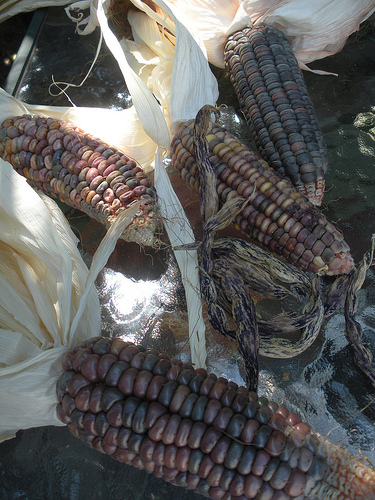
pixel 363 357
pixel 232 289
pixel 275 102
pixel 80 170
pixel 273 332
pixel 198 431
pixel 277 215
pixel 225 265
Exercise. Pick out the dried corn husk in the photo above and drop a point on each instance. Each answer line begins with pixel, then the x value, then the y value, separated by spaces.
pixel 181 95
pixel 11 8
pixel 156 127
pixel 316 29
pixel 133 140
pixel 48 300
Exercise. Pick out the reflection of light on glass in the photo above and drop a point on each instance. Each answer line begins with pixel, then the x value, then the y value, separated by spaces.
pixel 364 120
pixel 133 308
pixel 125 99
pixel 364 147
pixel 236 119
pixel 24 88
pixel 130 295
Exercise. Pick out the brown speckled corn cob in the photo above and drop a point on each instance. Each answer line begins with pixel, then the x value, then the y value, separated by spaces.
pixel 274 99
pixel 80 170
pixel 199 431
pixel 277 215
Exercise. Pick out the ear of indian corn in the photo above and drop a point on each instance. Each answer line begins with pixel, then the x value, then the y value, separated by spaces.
pixel 80 170
pixel 275 102
pixel 277 215
pixel 198 431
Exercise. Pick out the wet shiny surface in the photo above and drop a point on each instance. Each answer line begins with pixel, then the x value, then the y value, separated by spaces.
pixel 143 300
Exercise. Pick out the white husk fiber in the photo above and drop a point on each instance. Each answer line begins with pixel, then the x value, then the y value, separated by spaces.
pixel 181 95
pixel 48 301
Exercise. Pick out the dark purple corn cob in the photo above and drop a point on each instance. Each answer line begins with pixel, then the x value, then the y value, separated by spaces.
pixel 277 215
pixel 275 102
pixel 80 170
pixel 199 431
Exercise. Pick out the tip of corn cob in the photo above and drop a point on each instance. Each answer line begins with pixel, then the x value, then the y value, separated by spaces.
pixel 330 470
pixel 345 476
pixel 314 191
pixel 342 263
pixel 81 170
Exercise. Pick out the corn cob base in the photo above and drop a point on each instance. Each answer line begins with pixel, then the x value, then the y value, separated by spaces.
pixel 277 215
pixel 80 170
pixel 199 431
pixel 275 102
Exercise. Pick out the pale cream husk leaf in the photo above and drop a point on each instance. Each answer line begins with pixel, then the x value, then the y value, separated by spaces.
pixel 10 8
pixel 48 300
pixel 316 29
pixel 181 95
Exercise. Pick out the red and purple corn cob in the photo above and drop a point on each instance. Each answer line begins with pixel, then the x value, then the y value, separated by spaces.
pixel 275 102
pixel 278 216
pixel 80 170
pixel 199 431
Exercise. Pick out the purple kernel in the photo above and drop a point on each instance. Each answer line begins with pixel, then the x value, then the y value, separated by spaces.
pixel 126 197
pixel 91 174
pixel 96 399
pixel 88 368
pixel 82 400
pixel 139 190
pixel 327 255
pixel 302 235
pixel 79 357
pixel 76 383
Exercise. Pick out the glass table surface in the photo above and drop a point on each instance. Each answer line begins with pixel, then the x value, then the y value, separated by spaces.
pixel 141 294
